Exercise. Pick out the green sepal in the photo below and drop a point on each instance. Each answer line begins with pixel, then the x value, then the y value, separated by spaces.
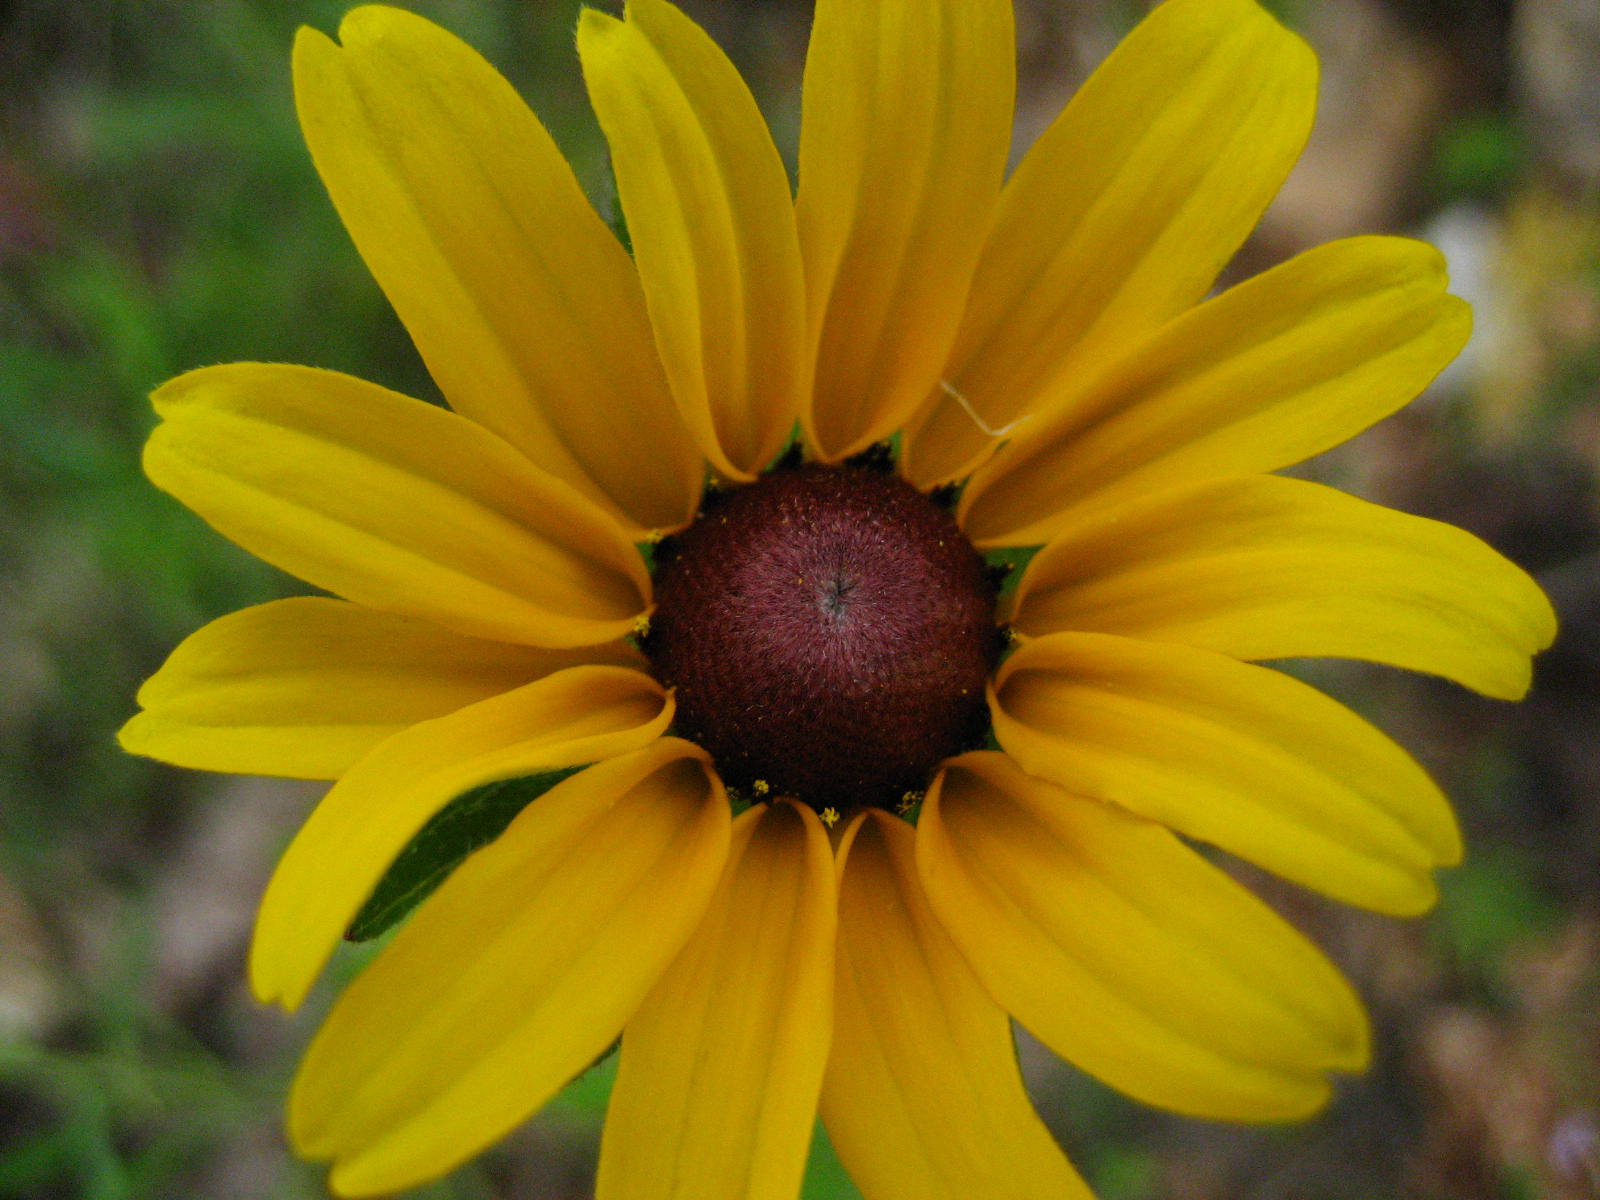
pixel 470 821
pixel 1014 561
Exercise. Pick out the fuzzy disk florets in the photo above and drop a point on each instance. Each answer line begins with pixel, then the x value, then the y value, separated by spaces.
pixel 829 631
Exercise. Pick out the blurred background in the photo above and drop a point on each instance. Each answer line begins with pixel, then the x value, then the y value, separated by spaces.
pixel 158 212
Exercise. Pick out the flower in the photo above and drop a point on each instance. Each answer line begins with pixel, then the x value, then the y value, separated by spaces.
pixel 821 636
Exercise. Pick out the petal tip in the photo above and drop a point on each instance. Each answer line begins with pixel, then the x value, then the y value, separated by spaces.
pixel 129 737
pixel 272 977
pixel 593 24
pixel 367 23
pixel 1456 319
pixel 264 989
pixel 308 39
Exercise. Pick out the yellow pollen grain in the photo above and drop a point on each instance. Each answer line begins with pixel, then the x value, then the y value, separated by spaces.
pixel 830 816
pixel 908 801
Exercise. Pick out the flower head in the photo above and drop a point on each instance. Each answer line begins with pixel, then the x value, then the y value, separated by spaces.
pixel 540 581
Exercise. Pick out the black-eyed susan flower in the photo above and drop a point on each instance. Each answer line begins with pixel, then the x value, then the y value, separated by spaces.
pixel 975 364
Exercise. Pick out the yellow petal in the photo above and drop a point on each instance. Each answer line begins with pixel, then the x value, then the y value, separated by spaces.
pixel 712 224
pixel 305 687
pixel 1127 953
pixel 526 310
pixel 1265 567
pixel 1121 214
pixel 1241 756
pixel 923 1099
pixel 1269 373
pixel 580 715
pixel 903 139
pixel 394 504
pixel 516 974
pixel 716 1092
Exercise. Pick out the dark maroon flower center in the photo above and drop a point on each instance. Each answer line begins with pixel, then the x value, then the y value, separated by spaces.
pixel 829 631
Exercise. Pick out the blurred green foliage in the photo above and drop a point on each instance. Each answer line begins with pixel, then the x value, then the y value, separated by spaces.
pixel 1478 157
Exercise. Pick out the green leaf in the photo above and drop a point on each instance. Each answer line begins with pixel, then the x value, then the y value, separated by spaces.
pixel 467 823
